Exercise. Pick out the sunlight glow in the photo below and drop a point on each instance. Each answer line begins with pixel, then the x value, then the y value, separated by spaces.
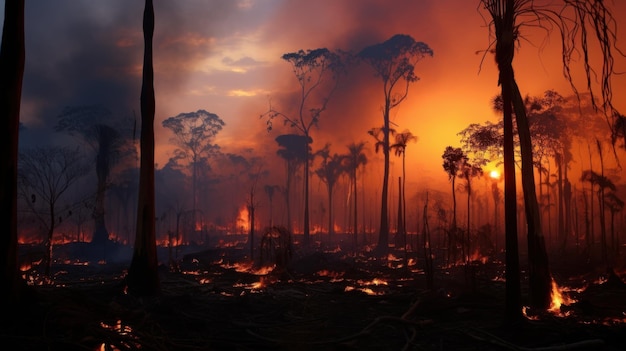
pixel 494 174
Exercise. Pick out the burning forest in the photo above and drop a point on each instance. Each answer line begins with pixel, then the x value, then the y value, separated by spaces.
pixel 353 189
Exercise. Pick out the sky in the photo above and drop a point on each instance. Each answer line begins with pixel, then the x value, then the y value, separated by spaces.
pixel 223 56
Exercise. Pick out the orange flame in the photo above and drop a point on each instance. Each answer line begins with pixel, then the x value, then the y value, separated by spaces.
pixel 558 299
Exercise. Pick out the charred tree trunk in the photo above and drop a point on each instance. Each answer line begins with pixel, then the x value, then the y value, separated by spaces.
pixel 12 54
pixel 540 280
pixel 505 45
pixel 383 234
pixel 143 277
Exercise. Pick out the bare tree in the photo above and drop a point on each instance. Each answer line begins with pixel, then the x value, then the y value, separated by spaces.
pixel 45 175
pixel 317 72
pixel 143 275
pixel 393 62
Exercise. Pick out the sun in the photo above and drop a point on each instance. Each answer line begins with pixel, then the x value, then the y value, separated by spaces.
pixel 495 174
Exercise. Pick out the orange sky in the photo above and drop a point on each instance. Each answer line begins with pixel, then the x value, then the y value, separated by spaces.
pixel 454 88
pixel 224 56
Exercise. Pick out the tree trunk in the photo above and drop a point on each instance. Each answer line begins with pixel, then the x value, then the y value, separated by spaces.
pixel 355 206
pixel 505 48
pixel 540 280
pixel 143 277
pixel 306 230
pixel 12 55
pixel 383 235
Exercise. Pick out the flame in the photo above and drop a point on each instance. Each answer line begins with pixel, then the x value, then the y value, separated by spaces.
pixel 558 299
pixel 243 220
pixel 477 257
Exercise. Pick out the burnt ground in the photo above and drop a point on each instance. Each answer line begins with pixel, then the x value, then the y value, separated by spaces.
pixel 321 301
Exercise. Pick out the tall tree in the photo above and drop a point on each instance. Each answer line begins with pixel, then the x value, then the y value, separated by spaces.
pixel 12 53
pixel 401 142
pixel 454 160
pixel 394 63
pixel 573 19
pixel 143 275
pixel 45 175
pixel 355 159
pixel 270 190
pixel 194 133
pixel 291 149
pixel 329 171
pixel 104 135
pixel 317 72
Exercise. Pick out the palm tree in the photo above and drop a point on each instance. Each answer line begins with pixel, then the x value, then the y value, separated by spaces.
pixel 355 159
pixel 270 190
pixel 331 168
pixel 291 150
pixel 453 161
pixel 468 171
pixel 143 276
pixel 573 19
pixel 402 140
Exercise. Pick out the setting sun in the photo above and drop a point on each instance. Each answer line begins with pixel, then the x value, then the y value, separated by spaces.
pixel 494 174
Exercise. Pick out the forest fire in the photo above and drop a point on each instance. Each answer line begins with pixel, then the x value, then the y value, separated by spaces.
pixel 559 298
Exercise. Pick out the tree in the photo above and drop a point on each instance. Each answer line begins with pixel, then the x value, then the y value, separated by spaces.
pixel 45 175
pixel 291 149
pixel 573 19
pixel 394 63
pixel 468 171
pixel 270 190
pixel 454 160
pixel 355 159
pixel 194 133
pixel 615 205
pixel 329 171
pixel 317 72
pixel 96 128
pixel 402 140
pixel 12 53
pixel 143 275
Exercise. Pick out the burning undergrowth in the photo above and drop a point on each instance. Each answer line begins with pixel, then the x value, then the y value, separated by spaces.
pixel 220 296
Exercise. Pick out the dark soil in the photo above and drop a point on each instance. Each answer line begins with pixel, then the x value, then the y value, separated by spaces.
pixel 219 300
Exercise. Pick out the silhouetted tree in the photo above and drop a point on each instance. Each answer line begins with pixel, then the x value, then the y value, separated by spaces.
pixel 453 161
pixel 109 141
pixel 270 190
pixel 355 159
pixel 401 142
pixel 291 149
pixel 393 62
pixel 194 133
pixel 329 171
pixel 12 53
pixel 615 205
pixel 143 275
pixel 45 175
pixel 468 171
pixel 317 72
pixel 573 19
